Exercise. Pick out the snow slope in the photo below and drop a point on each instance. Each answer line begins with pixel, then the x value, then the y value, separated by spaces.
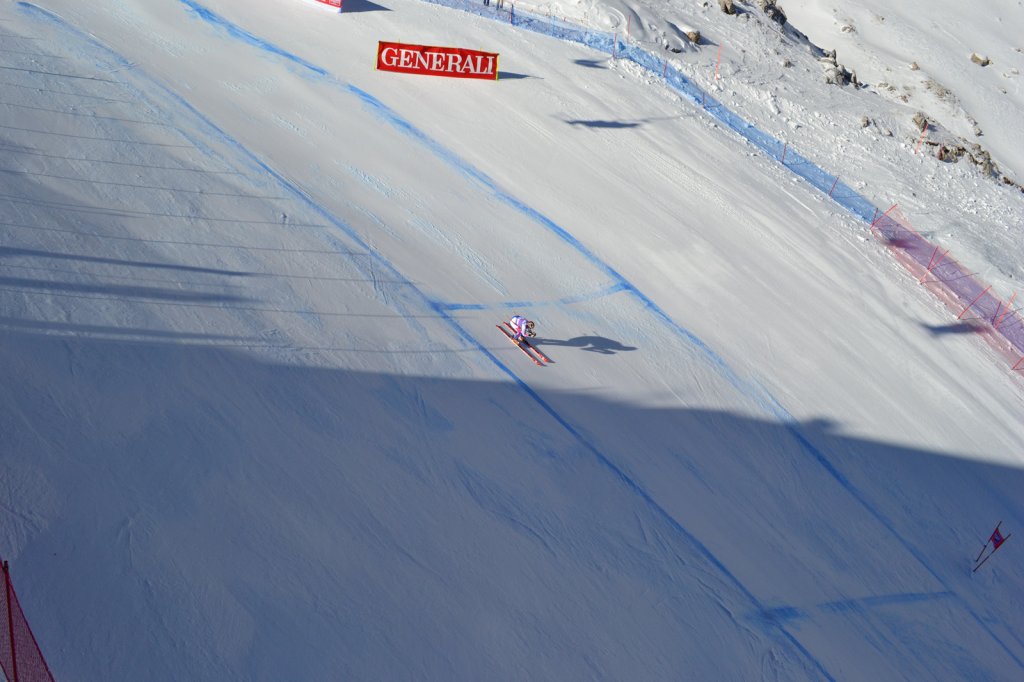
pixel 258 424
pixel 883 42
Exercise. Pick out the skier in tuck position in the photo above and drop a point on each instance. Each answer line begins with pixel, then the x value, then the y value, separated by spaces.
pixel 521 327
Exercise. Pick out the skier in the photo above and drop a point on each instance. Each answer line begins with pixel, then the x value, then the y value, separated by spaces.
pixel 522 327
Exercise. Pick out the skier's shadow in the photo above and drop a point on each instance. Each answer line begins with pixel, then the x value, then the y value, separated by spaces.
pixel 594 344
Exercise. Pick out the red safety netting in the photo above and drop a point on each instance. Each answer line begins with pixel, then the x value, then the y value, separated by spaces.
pixel 973 301
pixel 20 657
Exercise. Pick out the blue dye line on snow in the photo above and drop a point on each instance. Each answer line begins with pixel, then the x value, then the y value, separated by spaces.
pixel 641 492
pixel 622 285
pixel 385 264
pixel 799 165
pixel 468 170
pixel 236 31
pixel 761 396
pixel 405 126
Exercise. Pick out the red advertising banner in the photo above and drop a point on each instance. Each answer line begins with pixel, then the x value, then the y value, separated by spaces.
pixel 332 3
pixel 426 60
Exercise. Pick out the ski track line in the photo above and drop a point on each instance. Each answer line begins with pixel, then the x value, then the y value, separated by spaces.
pixel 761 396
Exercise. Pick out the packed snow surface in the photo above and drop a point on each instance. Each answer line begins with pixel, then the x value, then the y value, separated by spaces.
pixel 258 423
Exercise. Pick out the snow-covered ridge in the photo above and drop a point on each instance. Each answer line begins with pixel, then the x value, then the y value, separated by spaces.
pixel 963 69
pixel 869 136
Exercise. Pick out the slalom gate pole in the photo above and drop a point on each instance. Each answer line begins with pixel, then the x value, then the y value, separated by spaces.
pixel 985 546
pixel 975 569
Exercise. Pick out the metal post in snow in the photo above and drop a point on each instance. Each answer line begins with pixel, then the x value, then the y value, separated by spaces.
pixel 929 268
pixel 921 139
pixel 932 263
pixel 976 299
pixel 879 217
pixel 1008 305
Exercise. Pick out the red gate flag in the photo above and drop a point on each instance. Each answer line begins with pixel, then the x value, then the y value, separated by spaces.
pixel 437 61
pixel 996 539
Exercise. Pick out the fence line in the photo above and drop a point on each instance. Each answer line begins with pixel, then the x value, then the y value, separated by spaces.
pixel 910 248
pixel 952 283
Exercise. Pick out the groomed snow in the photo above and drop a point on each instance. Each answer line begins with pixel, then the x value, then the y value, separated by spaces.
pixel 258 424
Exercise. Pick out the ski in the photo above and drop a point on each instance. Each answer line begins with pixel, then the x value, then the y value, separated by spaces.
pixel 520 346
pixel 530 345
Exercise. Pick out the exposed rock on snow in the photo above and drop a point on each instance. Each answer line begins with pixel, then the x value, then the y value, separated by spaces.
pixel 836 73
pixel 773 11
